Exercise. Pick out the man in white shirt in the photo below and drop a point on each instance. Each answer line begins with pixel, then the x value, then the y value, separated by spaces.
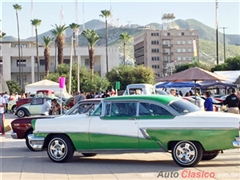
pixel 46 107
pixel 2 106
pixel 6 98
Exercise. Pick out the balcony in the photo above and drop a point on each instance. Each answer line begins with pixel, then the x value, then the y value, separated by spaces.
pixel 29 69
pixel 167 45
pixel 166 53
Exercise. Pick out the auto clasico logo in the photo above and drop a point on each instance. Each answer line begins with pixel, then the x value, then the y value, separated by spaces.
pixel 186 174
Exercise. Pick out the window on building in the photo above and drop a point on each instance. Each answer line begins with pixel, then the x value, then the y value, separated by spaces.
pixel 183 42
pixel 155 50
pixel 189 42
pixel 179 58
pixel 190 58
pixel 183 58
pixel 66 61
pixel 87 62
pixel 42 77
pixel 182 33
pixel 183 50
pixel 42 62
pixel 168 34
pixel 21 45
pixel 155 42
pixel 179 50
pixel 21 63
pixel 190 50
pixel 154 34
pixel 155 58
pixel 24 77
pixel 178 42
pixel 165 34
pixel 192 33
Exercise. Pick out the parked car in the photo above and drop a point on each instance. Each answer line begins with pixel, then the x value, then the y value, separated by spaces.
pixel 12 106
pixel 143 123
pixel 21 127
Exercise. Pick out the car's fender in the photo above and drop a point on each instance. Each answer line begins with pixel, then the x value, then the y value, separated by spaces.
pixel 25 110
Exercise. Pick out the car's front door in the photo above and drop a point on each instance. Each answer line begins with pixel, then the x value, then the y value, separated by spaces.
pixel 36 106
pixel 116 128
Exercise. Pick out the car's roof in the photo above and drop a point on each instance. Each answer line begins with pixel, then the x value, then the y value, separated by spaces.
pixel 91 100
pixel 164 99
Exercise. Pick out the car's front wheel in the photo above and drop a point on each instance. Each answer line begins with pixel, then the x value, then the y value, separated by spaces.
pixel 60 148
pixel 187 153
pixel 27 140
pixel 209 155
pixel 13 110
pixel 21 113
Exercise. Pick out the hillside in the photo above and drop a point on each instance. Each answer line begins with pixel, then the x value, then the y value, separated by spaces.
pixel 206 38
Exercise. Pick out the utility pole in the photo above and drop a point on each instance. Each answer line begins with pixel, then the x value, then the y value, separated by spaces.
pixel 70 72
pixel 224 43
pixel 217 32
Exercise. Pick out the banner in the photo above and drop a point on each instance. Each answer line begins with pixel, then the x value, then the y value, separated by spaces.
pixel 194 50
pixel 61 81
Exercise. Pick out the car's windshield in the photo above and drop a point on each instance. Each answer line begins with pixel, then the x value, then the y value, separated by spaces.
pixel 184 107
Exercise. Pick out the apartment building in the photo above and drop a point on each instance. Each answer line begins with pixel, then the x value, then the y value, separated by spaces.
pixel 10 64
pixel 162 50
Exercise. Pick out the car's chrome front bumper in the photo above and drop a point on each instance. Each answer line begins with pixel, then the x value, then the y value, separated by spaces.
pixel 236 143
pixel 36 142
pixel 14 135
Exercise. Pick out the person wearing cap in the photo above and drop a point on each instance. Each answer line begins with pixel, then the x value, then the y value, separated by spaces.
pixel 233 102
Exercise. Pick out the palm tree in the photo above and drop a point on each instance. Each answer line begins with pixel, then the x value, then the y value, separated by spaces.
pixel 2 35
pixel 36 23
pixel 92 38
pixel 55 33
pixel 47 41
pixel 74 28
pixel 18 7
pixel 106 14
pixel 60 41
pixel 125 37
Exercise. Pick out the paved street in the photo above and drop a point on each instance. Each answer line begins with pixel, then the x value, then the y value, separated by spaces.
pixel 19 163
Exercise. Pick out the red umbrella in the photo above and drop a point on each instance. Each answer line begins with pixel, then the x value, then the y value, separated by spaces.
pixel 193 74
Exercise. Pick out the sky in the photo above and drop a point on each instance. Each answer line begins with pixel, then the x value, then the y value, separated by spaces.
pixel 135 12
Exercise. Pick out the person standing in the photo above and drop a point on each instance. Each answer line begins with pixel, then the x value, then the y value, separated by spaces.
pixel 2 106
pixel 79 97
pixel 233 102
pixel 208 105
pixel 6 98
pixel 172 92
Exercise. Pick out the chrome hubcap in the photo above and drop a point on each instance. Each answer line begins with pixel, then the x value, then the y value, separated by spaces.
pixel 20 113
pixel 58 149
pixel 185 152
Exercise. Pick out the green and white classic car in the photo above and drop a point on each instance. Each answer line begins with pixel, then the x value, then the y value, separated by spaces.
pixel 139 123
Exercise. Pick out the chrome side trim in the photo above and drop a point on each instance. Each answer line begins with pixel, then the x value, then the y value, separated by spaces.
pixel 145 134
pixel 120 151
pixel 14 135
pixel 36 142
pixel 190 128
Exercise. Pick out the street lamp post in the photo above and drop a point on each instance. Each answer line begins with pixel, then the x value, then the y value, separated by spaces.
pixel 224 44
pixel 70 73
pixel 78 75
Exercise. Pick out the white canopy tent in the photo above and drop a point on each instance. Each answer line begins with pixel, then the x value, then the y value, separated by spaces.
pixel 46 85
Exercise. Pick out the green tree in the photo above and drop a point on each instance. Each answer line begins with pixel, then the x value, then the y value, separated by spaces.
pixel 18 7
pixel 36 23
pixel 106 14
pixel 14 87
pixel 130 75
pixel 92 38
pixel 97 84
pixel 55 33
pixel 59 30
pixel 47 41
pixel 74 28
pixel 230 64
pixel 125 37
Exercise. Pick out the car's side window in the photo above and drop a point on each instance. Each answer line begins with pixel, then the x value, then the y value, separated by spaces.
pixel 148 109
pixel 37 101
pixel 120 109
pixel 98 111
